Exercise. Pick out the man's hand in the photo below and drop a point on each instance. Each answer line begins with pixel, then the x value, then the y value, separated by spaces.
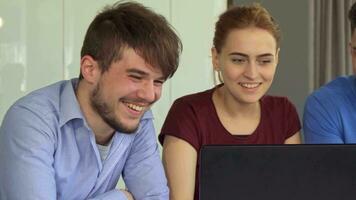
pixel 128 194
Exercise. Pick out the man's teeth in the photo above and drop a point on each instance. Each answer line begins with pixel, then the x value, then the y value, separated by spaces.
pixel 134 107
pixel 249 85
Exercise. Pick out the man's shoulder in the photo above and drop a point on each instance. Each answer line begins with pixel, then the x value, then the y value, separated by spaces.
pixel 38 109
pixel 43 100
pixel 339 86
pixel 336 92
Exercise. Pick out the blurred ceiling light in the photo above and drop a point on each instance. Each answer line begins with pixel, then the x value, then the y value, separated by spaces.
pixel 1 22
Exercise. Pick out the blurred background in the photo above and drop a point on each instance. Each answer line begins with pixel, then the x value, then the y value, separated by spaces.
pixel 40 42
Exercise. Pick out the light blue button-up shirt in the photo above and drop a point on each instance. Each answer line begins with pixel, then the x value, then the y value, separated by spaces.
pixel 48 151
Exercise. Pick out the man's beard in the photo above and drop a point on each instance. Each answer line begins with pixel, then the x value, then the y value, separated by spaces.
pixel 107 112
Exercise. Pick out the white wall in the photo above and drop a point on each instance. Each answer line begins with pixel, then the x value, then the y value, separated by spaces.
pixel 40 42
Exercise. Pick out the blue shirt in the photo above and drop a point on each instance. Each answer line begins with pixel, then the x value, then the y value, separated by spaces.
pixel 48 151
pixel 330 113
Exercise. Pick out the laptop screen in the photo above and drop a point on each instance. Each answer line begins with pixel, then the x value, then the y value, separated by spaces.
pixel 286 172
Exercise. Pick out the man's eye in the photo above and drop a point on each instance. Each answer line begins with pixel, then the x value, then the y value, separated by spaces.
pixel 158 82
pixel 135 77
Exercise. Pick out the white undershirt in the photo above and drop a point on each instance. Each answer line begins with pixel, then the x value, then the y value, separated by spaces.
pixel 104 150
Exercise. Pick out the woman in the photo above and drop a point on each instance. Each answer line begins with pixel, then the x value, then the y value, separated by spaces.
pixel 245 54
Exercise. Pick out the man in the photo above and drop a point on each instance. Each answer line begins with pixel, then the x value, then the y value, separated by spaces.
pixel 330 112
pixel 73 139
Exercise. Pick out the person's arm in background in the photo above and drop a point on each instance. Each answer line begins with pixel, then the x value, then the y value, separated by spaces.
pixel 294 139
pixel 180 160
pixel 180 140
pixel 320 123
pixel 292 123
pixel 27 147
pixel 143 172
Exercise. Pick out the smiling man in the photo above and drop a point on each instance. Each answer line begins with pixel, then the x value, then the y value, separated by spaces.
pixel 330 112
pixel 75 138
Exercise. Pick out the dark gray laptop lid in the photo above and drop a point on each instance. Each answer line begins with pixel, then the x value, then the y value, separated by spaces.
pixel 285 172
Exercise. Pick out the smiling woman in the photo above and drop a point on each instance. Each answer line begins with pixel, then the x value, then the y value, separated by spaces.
pixel 238 111
pixel 248 58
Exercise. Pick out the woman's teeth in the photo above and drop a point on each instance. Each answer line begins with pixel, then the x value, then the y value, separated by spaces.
pixel 249 85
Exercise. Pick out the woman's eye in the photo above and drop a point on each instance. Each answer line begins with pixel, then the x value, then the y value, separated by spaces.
pixel 238 60
pixel 264 62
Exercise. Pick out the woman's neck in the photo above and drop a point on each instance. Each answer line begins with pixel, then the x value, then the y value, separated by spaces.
pixel 232 107
pixel 237 117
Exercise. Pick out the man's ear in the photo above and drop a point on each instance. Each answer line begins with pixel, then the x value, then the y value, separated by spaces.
pixel 89 69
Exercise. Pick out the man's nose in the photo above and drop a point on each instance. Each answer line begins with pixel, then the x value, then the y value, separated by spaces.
pixel 147 92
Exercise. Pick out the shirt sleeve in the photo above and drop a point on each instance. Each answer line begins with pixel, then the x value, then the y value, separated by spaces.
pixel 320 122
pixel 143 172
pixel 181 122
pixel 292 119
pixel 111 195
pixel 27 145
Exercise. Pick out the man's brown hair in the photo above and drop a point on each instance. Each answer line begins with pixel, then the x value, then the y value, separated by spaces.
pixel 352 17
pixel 131 25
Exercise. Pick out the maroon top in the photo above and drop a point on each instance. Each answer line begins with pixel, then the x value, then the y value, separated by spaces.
pixel 194 119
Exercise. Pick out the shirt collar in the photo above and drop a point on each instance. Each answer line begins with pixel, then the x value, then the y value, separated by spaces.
pixel 148 115
pixel 69 107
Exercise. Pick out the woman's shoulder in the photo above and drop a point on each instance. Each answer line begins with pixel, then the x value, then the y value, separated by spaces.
pixel 196 98
pixel 275 100
pixel 277 104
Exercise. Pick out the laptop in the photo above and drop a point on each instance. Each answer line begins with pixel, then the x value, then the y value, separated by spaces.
pixel 278 172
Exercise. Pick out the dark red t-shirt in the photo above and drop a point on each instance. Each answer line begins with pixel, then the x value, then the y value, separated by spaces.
pixel 194 119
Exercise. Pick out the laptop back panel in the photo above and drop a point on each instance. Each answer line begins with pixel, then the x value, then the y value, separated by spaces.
pixel 275 172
